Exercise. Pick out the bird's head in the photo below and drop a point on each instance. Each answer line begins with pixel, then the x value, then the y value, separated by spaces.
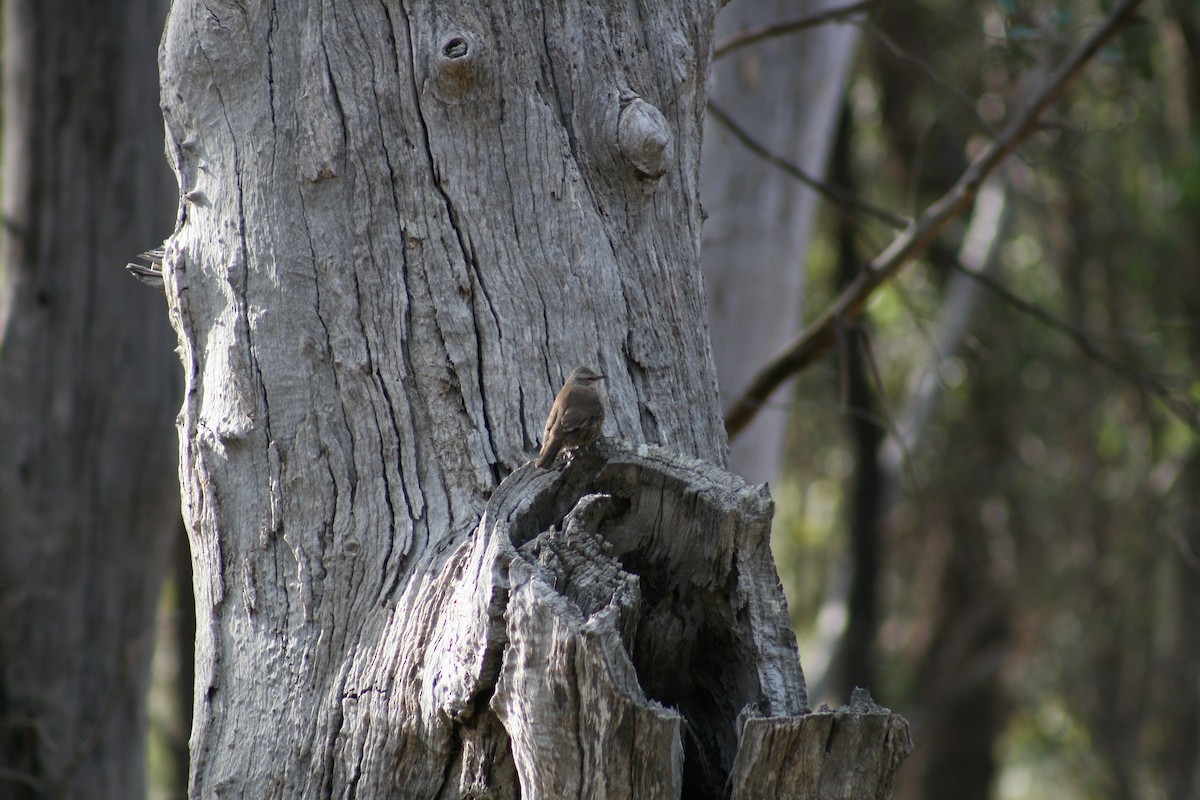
pixel 582 376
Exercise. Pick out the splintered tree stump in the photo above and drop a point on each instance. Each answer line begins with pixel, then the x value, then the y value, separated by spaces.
pixel 622 620
pixel 652 574
pixel 852 752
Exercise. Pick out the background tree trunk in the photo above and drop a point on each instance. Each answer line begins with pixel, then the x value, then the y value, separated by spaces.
pixel 854 662
pixel 88 494
pixel 403 226
pixel 1174 686
pixel 786 92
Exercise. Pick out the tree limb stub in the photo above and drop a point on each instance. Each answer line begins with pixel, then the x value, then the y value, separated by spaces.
pixel 648 649
pixel 620 618
pixel 660 582
pixel 851 752
pixel 817 337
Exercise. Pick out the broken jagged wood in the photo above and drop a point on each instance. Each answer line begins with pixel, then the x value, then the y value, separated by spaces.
pixel 610 630
pixel 644 607
pixel 568 694
pixel 852 752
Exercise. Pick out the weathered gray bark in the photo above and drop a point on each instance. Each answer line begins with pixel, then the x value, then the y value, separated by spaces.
pixel 403 225
pixel 642 616
pixel 852 752
pixel 89 497
pixel 786 92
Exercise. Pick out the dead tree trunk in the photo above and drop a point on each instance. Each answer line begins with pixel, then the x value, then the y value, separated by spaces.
pixel 89 500
pixel 404 223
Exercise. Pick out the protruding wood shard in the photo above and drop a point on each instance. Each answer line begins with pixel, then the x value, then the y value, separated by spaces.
pixel 830 754
pixel 644 616
pixel 568 695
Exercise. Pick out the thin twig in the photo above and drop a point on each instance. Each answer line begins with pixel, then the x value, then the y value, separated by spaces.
pixel 758 34
pixel 929 72
pixel 816 339
pixel 1185 411
pixel 834 194
pixel 889 425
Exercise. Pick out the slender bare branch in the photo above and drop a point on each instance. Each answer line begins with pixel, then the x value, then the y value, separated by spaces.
pixel 965 100
pixel 758 34
pixel 817 337
pixel 832 193
pixel 1183 408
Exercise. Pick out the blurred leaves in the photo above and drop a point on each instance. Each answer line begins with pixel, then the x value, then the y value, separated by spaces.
pixel 1080 486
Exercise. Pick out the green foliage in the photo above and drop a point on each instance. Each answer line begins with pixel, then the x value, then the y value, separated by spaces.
pixel 1072 470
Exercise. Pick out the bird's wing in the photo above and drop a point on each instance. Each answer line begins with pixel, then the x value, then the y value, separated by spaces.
pixel 583 408
pixel 574 419
pixel 552 420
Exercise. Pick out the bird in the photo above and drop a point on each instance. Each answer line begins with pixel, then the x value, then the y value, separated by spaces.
pixel 576 418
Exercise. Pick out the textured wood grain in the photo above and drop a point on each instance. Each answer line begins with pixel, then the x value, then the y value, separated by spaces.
pixel 849 753
pixel 568 695
pixel 404 223
pixel 693 612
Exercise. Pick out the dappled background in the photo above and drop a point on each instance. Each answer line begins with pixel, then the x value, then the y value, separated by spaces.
pixel 987 504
